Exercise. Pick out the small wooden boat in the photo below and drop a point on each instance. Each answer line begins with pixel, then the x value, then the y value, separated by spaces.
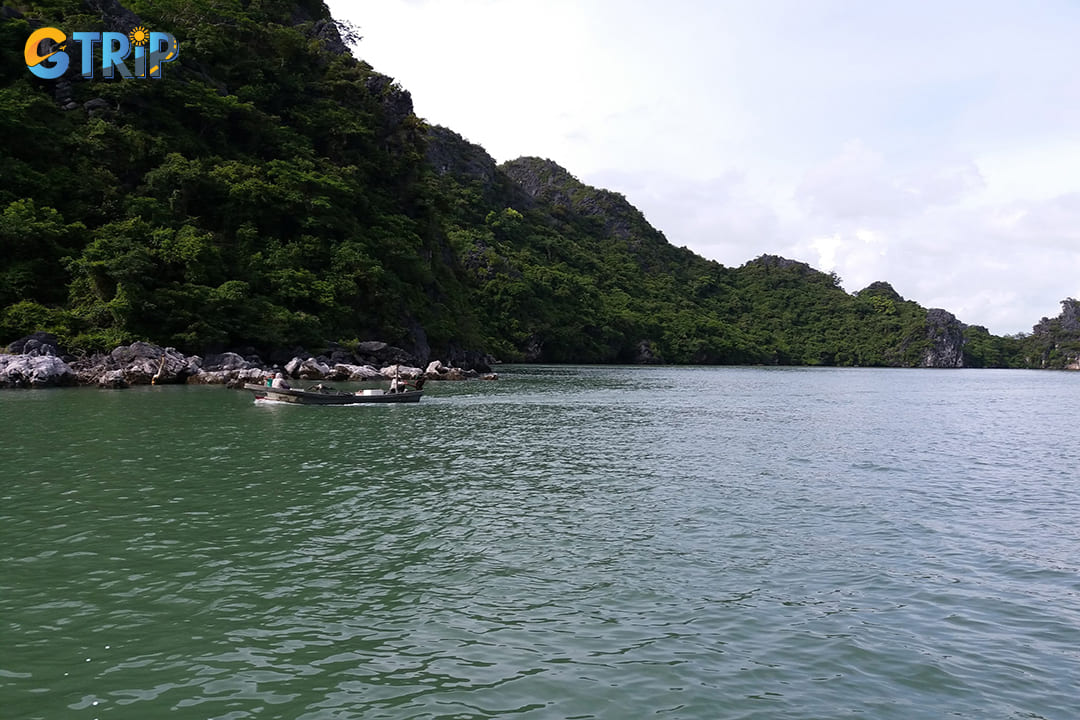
pixel 322 395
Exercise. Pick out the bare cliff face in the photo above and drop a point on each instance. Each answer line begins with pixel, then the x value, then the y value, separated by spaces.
pixel 1067 323
pixel 548 182
pixel 946 336
pixel 1056 341
pixel 450 154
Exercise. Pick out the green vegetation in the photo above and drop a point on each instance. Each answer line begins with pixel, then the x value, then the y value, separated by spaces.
pixel 1054 343
pixel 263 193
pixel 272 190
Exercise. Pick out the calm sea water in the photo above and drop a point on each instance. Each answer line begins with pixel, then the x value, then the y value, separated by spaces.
pixel 562 543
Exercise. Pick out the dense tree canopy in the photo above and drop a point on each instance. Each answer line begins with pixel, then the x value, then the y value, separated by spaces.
pixel 273 190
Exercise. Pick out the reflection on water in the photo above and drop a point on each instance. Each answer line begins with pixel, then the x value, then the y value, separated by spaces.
pixel 566 542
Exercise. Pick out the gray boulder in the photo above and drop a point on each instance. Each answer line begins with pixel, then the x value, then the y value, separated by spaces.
pixel 437 371
pixel 365 372
pixel 211 377
pixel 233 378
pixel 225 361
pixel 469 359
pixel 35 344
pixel 347 371
pixel 140 363
pixel 292 368
pixel 404 371
pixel 313 369
pixel 380 354
pixel 112 379
pixel 35 371
pixel 252 375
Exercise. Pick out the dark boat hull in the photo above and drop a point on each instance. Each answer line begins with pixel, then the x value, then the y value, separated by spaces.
pixel 330 397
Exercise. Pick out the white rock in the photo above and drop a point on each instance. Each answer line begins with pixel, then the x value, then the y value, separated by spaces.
pixel 365 372
pixel 390 371
pixel 112 379
pixel 34 371
pixel 210 377
pixel 292 368
pixel 312 369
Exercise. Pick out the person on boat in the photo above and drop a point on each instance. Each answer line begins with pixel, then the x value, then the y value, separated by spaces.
pixel 279 383
pixel 396 385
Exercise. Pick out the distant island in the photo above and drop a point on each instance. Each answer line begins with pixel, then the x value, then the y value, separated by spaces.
pixel 272 192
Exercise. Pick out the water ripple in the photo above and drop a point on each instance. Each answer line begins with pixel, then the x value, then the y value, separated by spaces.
pixel 568 542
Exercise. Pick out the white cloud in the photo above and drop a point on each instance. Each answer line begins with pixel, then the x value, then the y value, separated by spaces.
pixel 934 146
pixel 724 215
pixel 861 183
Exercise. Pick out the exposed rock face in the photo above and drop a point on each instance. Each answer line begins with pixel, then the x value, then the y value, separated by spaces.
pixel 226 361
pixel 137 364
pixel 380 354
pixel 549 182
pixel 396 101
pixel 36 344
pixel 353 373
pixel 231 377
pixel 35 371
pixel 469 359
pixel 437 371
pixel 143 362
pixel 112 379
pixel 777 262
pixel 450 154
pixel 534 349
pixel 37 361
pixel 323 28
pixel 312 369
pixel 337 354
pixel 880 288
pixel 645 354
pixel 946 336
pixel 544 182
pixel 1070 316
pixel 403 371
pixel 421 350
pixel 1068 322
pixel 280 357
pixel 227 368
pixel 1059 338
pixel 328 32
pixel 292 368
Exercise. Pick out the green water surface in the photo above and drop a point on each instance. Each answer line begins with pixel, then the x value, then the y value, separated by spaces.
pixel 561 543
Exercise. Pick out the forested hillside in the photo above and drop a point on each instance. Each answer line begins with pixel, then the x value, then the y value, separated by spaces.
pixel 272 190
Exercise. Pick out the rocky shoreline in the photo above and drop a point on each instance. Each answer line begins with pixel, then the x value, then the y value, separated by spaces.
pixel 37 361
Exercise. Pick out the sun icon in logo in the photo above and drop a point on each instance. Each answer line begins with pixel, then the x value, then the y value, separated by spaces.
pixel 139 36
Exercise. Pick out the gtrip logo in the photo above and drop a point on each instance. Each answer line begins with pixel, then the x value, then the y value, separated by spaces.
pixel 151 50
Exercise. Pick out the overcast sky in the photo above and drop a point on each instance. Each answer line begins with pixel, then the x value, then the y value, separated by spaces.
pixel 935 145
